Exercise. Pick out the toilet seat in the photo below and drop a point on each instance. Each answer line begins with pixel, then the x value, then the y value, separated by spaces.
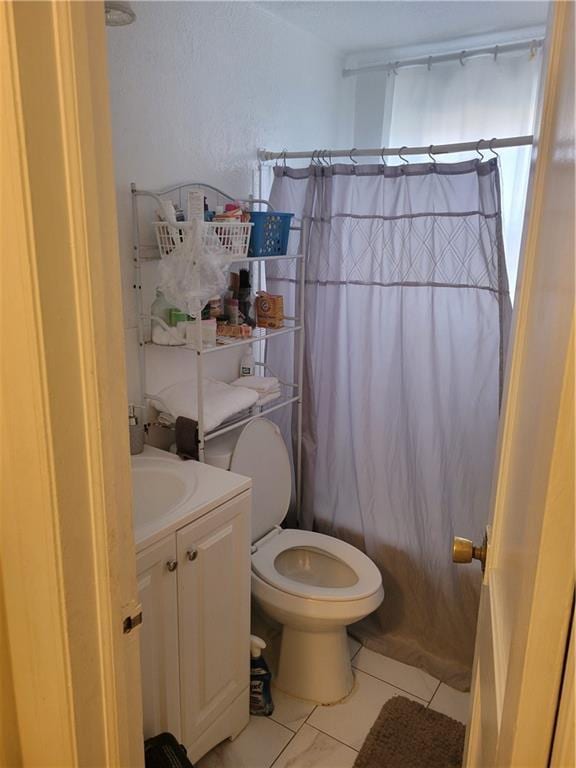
pixel 264 565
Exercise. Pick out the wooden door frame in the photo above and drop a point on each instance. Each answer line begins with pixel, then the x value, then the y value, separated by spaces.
pixel 70 691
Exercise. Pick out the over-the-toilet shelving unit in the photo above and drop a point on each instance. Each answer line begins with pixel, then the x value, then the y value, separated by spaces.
pixel 146 252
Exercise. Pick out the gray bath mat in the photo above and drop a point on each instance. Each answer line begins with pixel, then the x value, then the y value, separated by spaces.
pixel 407 735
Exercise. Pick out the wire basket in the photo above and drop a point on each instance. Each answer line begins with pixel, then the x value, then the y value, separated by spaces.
pixel 233 236
pixel 270 233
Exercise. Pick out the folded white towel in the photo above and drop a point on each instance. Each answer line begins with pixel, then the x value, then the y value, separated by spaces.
pixel 221 401
pixel 269 398
pixel 262 384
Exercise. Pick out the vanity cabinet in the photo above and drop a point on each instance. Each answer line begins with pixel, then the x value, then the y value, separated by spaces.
pixel 195 592
pixel 158 593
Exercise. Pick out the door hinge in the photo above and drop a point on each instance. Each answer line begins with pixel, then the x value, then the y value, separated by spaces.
pixel 132 621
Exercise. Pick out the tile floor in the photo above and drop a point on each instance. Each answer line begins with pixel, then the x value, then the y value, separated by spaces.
pixel 301 735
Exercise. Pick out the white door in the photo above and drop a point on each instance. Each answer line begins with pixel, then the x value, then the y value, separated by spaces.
pixel 158 593
pixel 528 584
pixel 214 603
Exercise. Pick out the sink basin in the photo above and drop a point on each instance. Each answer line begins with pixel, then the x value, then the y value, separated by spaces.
pixel 169 493
pixel 160 486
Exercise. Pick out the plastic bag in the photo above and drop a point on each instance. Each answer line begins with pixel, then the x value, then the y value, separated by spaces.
pixel 197 268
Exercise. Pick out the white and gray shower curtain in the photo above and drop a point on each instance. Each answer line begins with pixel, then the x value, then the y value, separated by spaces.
pixel 406 317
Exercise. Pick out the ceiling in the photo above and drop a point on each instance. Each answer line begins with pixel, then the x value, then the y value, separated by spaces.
pixel 356 26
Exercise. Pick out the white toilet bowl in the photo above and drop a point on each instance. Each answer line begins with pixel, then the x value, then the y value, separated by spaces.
pixel 312 584
pixel 315 586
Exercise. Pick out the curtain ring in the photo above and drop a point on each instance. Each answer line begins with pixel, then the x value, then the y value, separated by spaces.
pixel 401 156
pixel 429 63
pixel 478 149
pixel 496 49
pixel 284 151
pixel 351 158
pixel 491 148
pixel 461 58
pixel 430 154
pixel 382 155
pixel 325 161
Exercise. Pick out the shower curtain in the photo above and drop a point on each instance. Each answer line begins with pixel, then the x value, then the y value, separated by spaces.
pixel 406 315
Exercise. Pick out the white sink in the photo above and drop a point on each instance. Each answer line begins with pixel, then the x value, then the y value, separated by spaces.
pixel 169 493
pixel 159 486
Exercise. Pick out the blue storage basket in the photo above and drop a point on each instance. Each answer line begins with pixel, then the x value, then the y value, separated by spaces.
pixel 270 233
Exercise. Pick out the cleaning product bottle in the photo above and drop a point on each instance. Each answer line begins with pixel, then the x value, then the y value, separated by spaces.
pixel 260 696
pixel 248 364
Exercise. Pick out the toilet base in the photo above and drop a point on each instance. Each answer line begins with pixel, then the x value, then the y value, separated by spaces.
pixel 315 665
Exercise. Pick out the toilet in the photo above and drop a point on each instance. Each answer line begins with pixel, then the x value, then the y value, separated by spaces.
pixel 312 584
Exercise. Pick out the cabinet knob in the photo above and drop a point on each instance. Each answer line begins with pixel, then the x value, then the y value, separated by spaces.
pixel 192 554
pixel 172 565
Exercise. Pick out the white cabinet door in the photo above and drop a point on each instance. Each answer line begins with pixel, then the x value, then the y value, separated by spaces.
pixel 214 602
pixel 157 587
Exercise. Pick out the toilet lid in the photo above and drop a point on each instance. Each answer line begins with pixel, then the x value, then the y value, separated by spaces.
pixel 261 454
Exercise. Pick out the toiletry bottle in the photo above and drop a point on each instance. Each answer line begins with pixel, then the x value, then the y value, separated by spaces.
pixel 248 364
pixel 244 297
pixel 260 695
pixel 136 431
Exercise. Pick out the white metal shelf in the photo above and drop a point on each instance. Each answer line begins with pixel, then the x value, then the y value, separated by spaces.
pixel 232 424
pixel 247 260
pixel 261 334
pixel 283 257
pixel 143 253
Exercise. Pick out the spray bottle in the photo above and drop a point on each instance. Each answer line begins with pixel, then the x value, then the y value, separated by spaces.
pixel 260 695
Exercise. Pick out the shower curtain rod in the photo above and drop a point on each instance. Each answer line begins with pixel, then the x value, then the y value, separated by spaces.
pixel 461 56
pixel 432 149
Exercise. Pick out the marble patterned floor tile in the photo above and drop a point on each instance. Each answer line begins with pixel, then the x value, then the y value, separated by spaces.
pixel 409 679
pixel 451 702
pixel 257 746
pixel 312 749
pixel 290 711
pixel 350 720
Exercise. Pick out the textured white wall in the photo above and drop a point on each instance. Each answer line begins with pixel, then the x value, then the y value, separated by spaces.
pixel 197 87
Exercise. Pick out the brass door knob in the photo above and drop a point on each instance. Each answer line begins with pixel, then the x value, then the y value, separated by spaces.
pixel 464 551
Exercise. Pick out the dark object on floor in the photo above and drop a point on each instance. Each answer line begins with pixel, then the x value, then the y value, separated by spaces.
pixel 163 751
pixel 186 437
pixel 407 735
